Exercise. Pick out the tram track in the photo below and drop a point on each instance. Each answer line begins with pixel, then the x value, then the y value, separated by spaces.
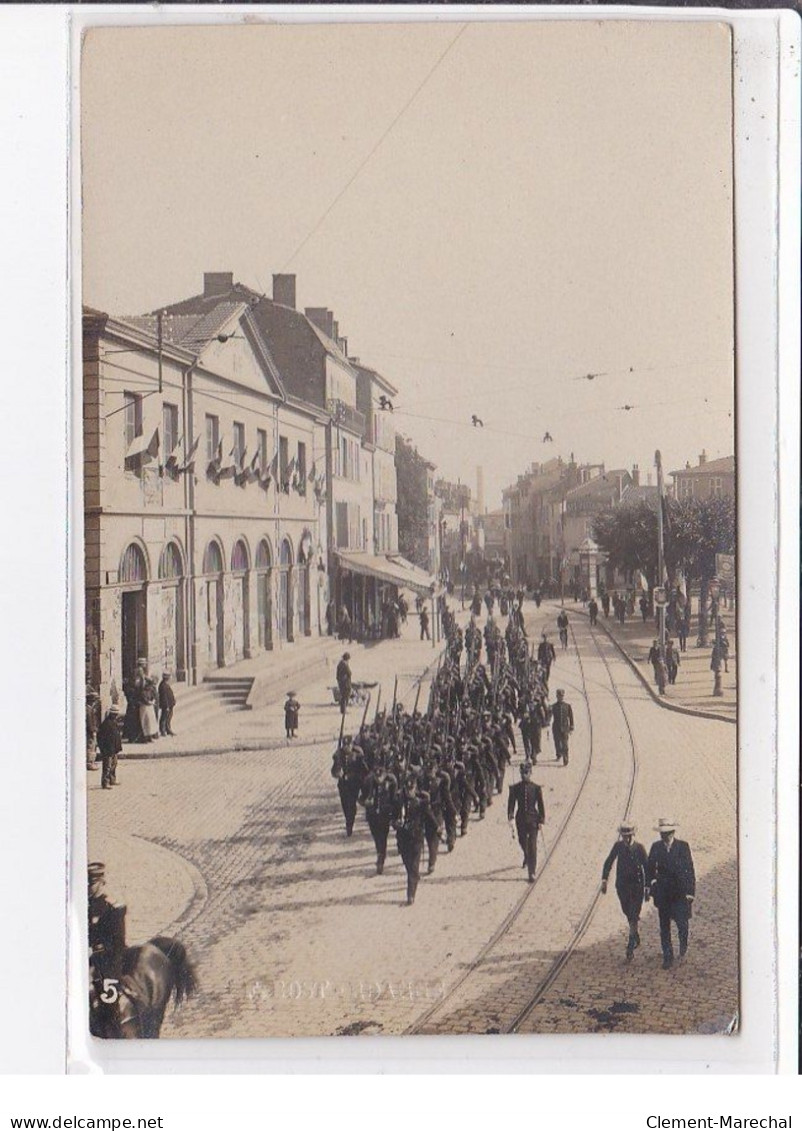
pixel 512 917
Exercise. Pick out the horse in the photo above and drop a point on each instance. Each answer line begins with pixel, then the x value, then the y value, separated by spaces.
pixel 150 975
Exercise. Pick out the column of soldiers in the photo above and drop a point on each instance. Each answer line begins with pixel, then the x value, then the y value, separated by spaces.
pixel 423 774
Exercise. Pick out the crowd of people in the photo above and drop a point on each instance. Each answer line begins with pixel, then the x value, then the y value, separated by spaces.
pixel 426 773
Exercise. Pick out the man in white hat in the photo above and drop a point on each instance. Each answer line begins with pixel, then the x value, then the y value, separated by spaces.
pixel 671 882
pixel 629 857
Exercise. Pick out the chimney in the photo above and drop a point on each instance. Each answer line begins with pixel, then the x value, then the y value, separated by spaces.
pixel 703 458
pixel 329 327
pixel 343 344
pixel 635 475
pixel 319 315
pixel 284 290
pixel 335 331
pixel 217 283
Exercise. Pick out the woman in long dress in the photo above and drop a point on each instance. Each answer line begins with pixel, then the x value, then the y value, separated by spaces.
pixel 147 712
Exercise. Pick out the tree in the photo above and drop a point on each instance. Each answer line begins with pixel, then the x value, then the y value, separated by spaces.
pixel 628 535
pixel 413 502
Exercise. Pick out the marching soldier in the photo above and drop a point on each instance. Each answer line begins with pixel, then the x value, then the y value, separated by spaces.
pixel 546 655
pixel 562 725
pixel 630 879
pixel 412 811
pixel 378 795
pixel 526 808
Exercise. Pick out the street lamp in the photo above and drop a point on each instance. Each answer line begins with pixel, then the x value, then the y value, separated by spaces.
pixel 714 588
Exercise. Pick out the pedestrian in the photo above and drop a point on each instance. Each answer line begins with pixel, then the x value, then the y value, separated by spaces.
pixel 109 744
pixel 644 607
pixel 526 808
pixel 345 628
pixel 659 666
pixel 605 600
pixel 291 709
pixel 424 624
pixel 562 725
pixel 682 633
pixel 476 604
pixel 562 624
pixel 92 725
pixel 630 879
pixel 672 661
pixel 166 705
pixel 331 618
pixel 148 721
pixel 671 883
pixel 724 647
pixel 344 681
pixel 593 610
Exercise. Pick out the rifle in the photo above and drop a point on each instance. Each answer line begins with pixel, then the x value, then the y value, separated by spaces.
pixel 417 697
pixel 378 701
pixel 395 695
pixel 365 712
pixel 342 728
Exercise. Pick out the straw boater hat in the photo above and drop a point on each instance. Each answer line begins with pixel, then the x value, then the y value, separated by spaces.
pixel 626 828
pixel 664 825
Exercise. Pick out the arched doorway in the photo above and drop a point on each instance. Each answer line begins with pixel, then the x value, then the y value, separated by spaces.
pixel 285 619
pixel 303 584
pixel 171 575
pixel 264 594
pixel 213 610
pixel 133 578
pixel 240 565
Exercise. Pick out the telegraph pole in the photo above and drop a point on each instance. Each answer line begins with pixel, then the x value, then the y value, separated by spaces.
pixel 661 609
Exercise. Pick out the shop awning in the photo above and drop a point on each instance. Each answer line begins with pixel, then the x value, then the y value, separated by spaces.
pixel 395 570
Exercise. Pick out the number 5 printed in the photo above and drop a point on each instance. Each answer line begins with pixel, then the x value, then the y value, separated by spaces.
pixel 110 992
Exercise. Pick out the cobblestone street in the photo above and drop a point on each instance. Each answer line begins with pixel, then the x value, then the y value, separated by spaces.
pixel 243 855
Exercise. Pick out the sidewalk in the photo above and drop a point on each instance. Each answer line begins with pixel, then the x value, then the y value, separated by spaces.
pixel 693 691
pixel 263 728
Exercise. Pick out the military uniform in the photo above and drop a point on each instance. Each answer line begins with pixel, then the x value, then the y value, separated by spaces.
pixel 378 796
pixel 347 767
pixel 562 725
pixel 412 812
pixel 526 806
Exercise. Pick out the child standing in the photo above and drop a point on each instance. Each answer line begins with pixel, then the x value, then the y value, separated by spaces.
pixel 291 709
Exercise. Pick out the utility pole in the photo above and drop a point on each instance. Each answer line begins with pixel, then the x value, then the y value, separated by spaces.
pixel 661 610
pixel 160 343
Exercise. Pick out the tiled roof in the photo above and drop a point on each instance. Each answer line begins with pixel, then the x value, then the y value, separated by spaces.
pixel 600 485
pixel 723 466
pixel 642 493
pixel 190 331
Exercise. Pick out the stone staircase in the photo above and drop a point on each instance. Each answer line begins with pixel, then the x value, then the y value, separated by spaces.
pixel 197 706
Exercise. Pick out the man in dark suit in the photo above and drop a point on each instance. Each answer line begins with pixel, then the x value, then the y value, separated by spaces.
pixel 109 744
pixel 526 808
pixel 344 681
pixel 630 879
pixel 562 725
pixel 671 882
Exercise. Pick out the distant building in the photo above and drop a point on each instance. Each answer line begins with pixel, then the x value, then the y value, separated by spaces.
pixel 711 479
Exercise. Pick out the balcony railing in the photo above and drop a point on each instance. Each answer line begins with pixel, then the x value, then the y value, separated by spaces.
pixel 346 416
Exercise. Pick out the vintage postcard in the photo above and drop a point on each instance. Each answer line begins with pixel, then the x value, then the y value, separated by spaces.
pixel 411 649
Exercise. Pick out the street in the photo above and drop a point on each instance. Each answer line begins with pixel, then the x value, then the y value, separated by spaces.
pixel 242 854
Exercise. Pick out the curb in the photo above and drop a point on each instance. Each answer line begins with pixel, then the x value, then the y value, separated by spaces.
pixel 255 745
pixel 694 711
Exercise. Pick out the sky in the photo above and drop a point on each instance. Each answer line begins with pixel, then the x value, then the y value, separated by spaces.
pixel 493 211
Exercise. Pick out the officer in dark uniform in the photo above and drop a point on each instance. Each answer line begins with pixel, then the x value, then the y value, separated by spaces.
pixel 412 811
pixel 106 929
pixel 630 879
pixel 546 655
pixel 526 808
pixel 348 769
pixel 562 725
pixel 671 881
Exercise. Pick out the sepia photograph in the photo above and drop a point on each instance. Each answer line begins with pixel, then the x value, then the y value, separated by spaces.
pixel 409 516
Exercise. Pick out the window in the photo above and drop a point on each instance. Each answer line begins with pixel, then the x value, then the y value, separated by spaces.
pixel 238 451
pixel 341 521
pixel 717 488
pixel 170 427
pixel 301 468
pixel 132 417
pixel 261 444
pixel 283 459
pixel 212 437
pixel 344 458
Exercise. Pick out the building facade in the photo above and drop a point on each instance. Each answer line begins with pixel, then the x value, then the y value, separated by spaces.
pixel 710 479
pixel 204 527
